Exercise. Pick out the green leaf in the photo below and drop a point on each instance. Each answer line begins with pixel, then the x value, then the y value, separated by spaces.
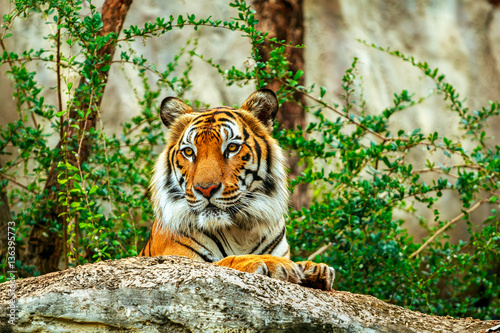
pixel 298 74
pixel 322 91
pixel 93 189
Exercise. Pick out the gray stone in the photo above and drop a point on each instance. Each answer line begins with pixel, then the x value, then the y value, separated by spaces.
pixel 175 294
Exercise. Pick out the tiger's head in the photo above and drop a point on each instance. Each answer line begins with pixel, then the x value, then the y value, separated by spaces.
pixel 220 168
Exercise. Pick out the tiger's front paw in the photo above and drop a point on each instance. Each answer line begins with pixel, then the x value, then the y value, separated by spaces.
pixel 318 276
pixel 274 267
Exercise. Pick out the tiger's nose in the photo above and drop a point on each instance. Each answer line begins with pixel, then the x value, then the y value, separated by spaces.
pixel 207 191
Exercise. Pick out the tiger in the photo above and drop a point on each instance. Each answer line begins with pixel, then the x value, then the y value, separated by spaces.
pixel 219 191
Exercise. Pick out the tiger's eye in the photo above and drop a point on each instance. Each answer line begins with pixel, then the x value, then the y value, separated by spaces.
pixel 232 147
pixel 188 151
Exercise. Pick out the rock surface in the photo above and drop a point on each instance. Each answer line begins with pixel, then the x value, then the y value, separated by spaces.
pixel 174 294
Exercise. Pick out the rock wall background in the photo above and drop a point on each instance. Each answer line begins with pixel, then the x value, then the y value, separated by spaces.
pixel 460 37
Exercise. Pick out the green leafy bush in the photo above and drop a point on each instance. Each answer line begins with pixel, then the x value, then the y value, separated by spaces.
pixel 373 176
pixel 359 168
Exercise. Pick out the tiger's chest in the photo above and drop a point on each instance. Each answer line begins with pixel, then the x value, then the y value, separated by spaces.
pixel 214 246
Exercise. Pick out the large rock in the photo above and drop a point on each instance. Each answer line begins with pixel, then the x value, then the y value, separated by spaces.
pixel 174 294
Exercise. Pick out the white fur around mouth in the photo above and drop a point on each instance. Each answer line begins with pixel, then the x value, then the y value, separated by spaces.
pixel 214 219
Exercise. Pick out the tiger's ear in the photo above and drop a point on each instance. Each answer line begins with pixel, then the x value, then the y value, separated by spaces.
pixel 172 108
pixel 263 104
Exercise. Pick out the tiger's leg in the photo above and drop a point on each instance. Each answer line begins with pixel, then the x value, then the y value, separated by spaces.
pixel 269 265
pixel 306 273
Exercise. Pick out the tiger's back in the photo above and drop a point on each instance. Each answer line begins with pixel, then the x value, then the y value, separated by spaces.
pixel 219 190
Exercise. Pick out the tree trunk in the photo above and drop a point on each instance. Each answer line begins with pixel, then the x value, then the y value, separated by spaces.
pixel 284 19
pixel 176 294
pixel 44 247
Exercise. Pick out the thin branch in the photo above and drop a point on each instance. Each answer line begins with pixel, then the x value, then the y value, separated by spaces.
pixel 61 134
pixel 4 48
pixel 26 60
pixel 58 70
pixel 447 225
pixel 141 123
pixel 10 179
pixel 439 169
pixel 319 251
pixel 150 33
pixel 352 120
pixel 107 167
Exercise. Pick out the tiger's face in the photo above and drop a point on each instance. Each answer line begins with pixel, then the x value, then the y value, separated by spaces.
pixel 221 168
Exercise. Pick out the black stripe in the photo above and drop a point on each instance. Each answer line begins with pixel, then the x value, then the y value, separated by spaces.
pixel 205 135
pixel 258 150
pixel 171 160
pixel 262 240
pixel 201 255
pixel 222 119
pixel 217 242
pixel 268 157
pixel 188 134
pixel 176 197
pixel 230 131
pixel 227 113
pixel 269 187
pixel 201 245
pixel 254 174
pixel 258 153
pixel 168 183
pixel 222 108
pixel 229 198
pixel 270 248
pixel 245 134
pixel 195 123
pixel 225 241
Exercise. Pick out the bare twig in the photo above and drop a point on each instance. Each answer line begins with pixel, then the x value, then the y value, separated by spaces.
pixel 470 166
pixel 344 115
pixel 10 179
pixel 319 251
pixel 447 225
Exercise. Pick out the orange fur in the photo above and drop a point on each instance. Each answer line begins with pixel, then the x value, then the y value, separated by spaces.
pixel 162 243
pixel 306 273
pixel 224 181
